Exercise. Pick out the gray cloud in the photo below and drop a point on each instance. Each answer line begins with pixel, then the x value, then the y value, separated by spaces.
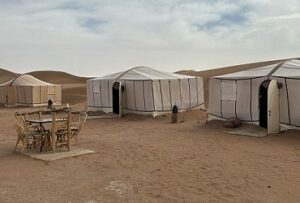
pixel 100 37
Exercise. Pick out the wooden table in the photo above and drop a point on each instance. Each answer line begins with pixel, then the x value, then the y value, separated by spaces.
pixel 43 121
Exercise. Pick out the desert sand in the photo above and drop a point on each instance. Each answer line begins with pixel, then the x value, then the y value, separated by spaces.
pixel 145 159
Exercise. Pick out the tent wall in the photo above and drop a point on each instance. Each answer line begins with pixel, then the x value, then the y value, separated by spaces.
pixel 53 93
pixel 33 95
pixel 37 94
pixel 235 98
pixel 44 94
pixel 293 101
pixel 41 94
pixel 2 95
pixel 24 95
pixel 11 94
pixel 289 101
pixel 246 104
pixel 58 96
pixel 147 95
pixel 26 90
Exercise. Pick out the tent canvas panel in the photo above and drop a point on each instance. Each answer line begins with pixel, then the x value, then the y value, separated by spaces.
pixel 105 93
pixel 194 92
pixel 228 90
pixel 185 93
pixel 95 93
pixel 157 96
pixel 228 109
pixel 3 95
pixel 11 95
pixel 24 94
pixel 148 95
pixel 96 97
pixel 29 95
pixel 57 96
pixel 294 100
pixel 130 95
pixel 175 93
pixel 110 88
pixel 44 94
pixel 139 95
pixel 20 94
pixel 214 97
pixel 36 94
pixel 200 91
pixel 243 102
pixel 166 95
pixel 51 89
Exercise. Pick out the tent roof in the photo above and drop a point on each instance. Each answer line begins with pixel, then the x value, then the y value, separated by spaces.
pixel 289 69
pixel 143 73
pixel 25 80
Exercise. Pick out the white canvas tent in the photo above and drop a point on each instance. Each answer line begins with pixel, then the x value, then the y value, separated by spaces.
pixel 245 94
pixel 26 90
pixel 145 91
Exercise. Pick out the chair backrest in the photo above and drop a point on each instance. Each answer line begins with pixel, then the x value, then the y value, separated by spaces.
pixel 60 121
pixel 21 132
pixel 78 119
pixel 20 125
pixel 20 119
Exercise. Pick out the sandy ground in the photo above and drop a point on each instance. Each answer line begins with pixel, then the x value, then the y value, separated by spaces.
pixel 142 159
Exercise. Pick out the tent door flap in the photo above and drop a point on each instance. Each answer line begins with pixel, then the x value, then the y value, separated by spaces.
pixel 273 107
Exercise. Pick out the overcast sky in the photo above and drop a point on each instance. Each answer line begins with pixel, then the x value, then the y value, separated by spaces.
pixel 97 37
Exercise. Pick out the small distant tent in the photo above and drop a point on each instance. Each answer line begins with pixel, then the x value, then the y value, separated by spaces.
pixel 247 95
pixel 144 90
pixel 26 90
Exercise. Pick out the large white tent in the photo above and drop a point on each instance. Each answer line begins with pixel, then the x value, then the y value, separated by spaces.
pixel 26 90
pixel 245 94
pixel 145 90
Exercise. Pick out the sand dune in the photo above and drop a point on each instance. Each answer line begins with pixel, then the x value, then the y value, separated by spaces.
pixel 6 75
pixel 58 77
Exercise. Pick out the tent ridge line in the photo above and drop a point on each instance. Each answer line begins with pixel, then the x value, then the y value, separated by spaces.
pixel 276 68
pixel 129 71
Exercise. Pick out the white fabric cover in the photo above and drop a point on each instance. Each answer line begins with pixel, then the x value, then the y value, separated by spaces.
pixel 146 90
pixel 246 106
pixel 228 89
pixel 29 91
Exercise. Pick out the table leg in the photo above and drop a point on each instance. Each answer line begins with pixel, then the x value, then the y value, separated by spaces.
pixel 53 139
pixel 53 130
pixel 42 142
pixel 43 136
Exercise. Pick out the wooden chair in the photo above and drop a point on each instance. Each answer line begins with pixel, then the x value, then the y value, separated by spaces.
pixel 78 119
pixel 28 135
pixel 61 130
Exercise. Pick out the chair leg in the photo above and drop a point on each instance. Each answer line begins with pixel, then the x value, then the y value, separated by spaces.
pixel 23 146
pixel 17 144
pixel 42 145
